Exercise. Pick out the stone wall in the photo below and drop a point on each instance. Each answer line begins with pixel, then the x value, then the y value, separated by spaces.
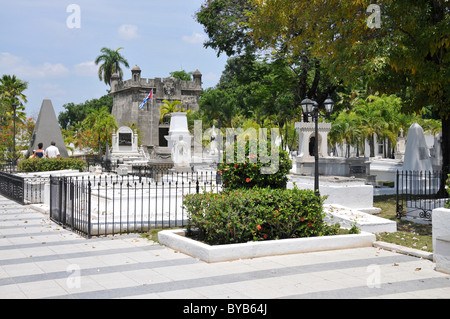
pixel 129 94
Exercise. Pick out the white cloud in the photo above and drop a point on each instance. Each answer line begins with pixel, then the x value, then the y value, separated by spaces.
pixel 128 32
pixel 21 68
pixel 194 38
pixel 86 69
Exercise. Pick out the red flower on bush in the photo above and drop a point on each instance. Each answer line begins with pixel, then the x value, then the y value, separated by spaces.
pixel 309 224
pixel 258 227
pixel 248 179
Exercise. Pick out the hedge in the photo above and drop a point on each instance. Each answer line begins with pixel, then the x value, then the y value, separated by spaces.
pixel 238 216
pixel 50 164
pixel 249 173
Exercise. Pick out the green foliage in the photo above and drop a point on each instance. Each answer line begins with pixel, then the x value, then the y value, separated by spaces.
pixel 74 114
pixel 182 75
pixel 251 89
pixel 217 105
pixel 225 23
pixel 110 63
pixel 11 89
pixel 239 216
pixel 50 164
pixel 171 107
pixel 251 166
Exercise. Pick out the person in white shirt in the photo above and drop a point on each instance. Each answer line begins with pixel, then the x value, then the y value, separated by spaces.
pixel 52 151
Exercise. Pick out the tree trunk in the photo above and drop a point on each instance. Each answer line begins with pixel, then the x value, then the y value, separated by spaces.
pixel 371 145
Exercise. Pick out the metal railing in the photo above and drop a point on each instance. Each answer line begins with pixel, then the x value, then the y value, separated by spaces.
pixel 95 206
pixel 417 193
pixel 12 187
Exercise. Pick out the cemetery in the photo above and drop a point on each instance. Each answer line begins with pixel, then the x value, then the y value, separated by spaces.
pixel 100 202
pixel 286 154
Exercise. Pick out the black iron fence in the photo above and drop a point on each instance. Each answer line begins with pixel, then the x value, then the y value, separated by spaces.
pixel 23 189
pixel 417 193
pixel 95 206
pixel 12 187
pixel 7 166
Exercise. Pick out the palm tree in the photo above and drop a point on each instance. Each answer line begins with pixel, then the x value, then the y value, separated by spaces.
pixel 11 100
pixel 11 91
pixel 111 64
pixel 372 120
pixel 347 128
pixel 216 105
pixel 102 123
pixel 12 88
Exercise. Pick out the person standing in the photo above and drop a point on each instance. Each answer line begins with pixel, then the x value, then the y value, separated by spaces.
pixel 52 151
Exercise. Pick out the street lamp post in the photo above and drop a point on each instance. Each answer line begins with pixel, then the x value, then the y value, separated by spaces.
pixel 311 107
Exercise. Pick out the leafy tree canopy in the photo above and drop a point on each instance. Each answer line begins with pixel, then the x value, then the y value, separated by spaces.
pixel 76 113
pixel 182 75
pixel 225 23
pixel 408 54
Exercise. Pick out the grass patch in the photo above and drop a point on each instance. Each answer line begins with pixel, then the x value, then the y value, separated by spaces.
pixel 409 234
pixel 153 233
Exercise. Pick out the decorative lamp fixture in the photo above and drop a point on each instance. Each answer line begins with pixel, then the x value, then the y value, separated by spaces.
pixel 307 106
pixel 329 105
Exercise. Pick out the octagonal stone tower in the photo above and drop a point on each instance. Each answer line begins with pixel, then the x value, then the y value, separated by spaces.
pixel 129 94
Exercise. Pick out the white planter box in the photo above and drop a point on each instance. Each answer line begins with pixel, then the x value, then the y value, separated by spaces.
pixel 176 240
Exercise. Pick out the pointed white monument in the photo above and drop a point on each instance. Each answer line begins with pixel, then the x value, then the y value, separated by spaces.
pixel 417 155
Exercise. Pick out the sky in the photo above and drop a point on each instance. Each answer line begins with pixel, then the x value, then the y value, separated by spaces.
pixel 52 44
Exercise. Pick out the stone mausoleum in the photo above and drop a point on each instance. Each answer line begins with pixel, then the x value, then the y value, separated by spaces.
pixel 129 94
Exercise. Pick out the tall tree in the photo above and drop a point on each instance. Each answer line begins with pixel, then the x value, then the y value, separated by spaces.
pixel 217 107
pixel 11 89
pixel 76 113
pixel 111 61
pixel 12 113
pixel 407 54
pixel 101 123
pixel 226 24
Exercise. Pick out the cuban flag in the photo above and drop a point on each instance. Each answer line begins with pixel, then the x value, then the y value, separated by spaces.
pixel 149 97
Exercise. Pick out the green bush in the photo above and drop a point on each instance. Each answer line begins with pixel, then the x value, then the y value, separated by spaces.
pixel 239 216
pixel 250 172
pixel 50 164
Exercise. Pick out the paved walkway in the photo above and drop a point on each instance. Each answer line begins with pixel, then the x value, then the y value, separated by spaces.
pixel 39 259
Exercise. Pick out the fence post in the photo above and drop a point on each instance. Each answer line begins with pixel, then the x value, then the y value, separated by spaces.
pixel 72 203
pixel 51 196
pixel 89 210
pixel 399 207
